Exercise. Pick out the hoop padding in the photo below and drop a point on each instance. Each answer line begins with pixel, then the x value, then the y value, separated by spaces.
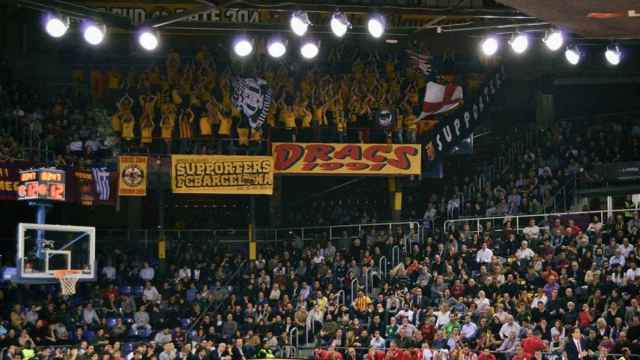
pixel 68 280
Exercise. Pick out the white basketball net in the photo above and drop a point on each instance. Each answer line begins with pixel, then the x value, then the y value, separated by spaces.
pixel 68 280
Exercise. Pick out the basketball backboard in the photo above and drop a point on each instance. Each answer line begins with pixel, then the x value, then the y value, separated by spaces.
pixel 44 248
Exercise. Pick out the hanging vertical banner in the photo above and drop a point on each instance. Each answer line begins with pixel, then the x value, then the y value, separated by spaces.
pixel 85 193
pixel 252 97
pixel 132 174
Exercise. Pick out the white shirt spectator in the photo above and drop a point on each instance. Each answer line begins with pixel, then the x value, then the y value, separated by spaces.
pixel 617 260
pixel 151 294
pixel 508 328
pixel 109 272
pixel 484 256
pixel 408 313
pixel 162 337
pixel 469 330
pixel 632 274
pixel 89 315
pixel 147 273
pixel 377 343
pixel 626 250
pixel 442 318
pixel 184 273
pixel 531 232
pixel 537 299
pixel 525 254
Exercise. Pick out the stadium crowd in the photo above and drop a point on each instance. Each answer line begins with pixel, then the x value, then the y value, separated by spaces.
pixel 556 287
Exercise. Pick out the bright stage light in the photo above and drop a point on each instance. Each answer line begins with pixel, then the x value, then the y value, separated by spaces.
pixel 572 54
pixel 613 55
pixel 489 46
pixel 94 34
pixel 309 50
pixel 299 23
pixel 376 26
pixel 276 48
pixel 148 40
pixel 243 47
pixel 519 43
pixel 56 27
pixel 339 24
pixel 553 40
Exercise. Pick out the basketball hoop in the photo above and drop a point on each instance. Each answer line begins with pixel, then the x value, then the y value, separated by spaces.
pixel 68 280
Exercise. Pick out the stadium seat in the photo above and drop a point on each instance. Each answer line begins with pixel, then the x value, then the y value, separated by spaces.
pixel 111 322
pixel 137 291
pixel 185 323
pixel 125 290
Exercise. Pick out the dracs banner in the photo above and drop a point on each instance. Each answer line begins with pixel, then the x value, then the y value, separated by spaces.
pixel 221 174
pixel 346 159
pixel 253 98
pixel 133 175
pixel 453 129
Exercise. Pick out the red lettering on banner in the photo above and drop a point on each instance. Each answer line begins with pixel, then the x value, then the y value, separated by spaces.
pixel 402 154
pixel 315 152
pixel 377 167
pixel 371 153
pixel 287 155
pixel 352 151
pixel 357 166
pixel 309 166
pixel 331 166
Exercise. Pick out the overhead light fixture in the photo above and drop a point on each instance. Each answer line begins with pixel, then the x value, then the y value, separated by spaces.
pixel 94 33
pixel 309 50
pixel 276 48
pixel 613 55
pixel 489 46
pixel 148 40
pixel 519 43
pixel 572 55
pixel 376 25
pixel 243 47
pixel 553 40
pixel 339 24
pixel 299 22
pixel 56 26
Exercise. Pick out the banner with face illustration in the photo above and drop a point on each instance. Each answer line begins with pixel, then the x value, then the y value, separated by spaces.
pixel 252 96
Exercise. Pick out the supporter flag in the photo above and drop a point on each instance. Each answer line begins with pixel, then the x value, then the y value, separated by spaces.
pixel 439 99
pixel 252 96
pixel 133 174
pixel 421 62
pixel 85 191
pixel 104 183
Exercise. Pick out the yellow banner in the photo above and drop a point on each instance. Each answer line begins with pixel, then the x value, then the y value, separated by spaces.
pixel 132 175
pixel 220 174
pixel 346 159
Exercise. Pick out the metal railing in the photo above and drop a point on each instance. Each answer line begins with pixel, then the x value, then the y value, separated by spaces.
pixel 144 241
pixel 354 286
pixel 519 222
pixel 383 266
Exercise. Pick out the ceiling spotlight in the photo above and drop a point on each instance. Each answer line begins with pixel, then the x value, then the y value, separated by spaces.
pixel 276 48
pixel 309 50
pixel 94 34
pixel 572 54
pixel 56 26
pixel 299 22
pixel 339 24
pixel 489 46
pixel 148 40
pixel 376 26
pixel 243 47
pixel 553 40
pixel 519 43
pixel 613 55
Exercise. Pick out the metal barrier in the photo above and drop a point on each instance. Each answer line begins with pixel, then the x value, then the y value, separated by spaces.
pixel 144 241
pixel 354 285
pixel 341 296
pixel 395 255
pixel 383 266
pixel 519 222
pixel 292 332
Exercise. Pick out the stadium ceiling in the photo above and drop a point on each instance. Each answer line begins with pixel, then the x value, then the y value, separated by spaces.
pixel 596 19
pixel 433 15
